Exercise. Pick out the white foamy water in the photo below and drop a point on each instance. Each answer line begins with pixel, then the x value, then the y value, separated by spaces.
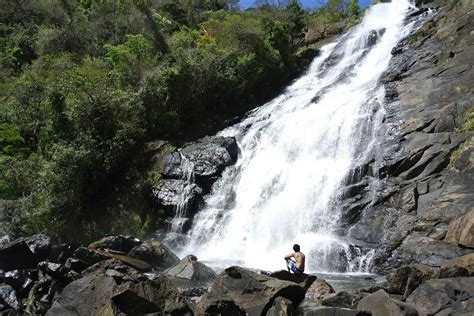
pixel 295 152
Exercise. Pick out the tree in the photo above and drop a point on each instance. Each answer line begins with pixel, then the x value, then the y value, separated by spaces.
pixel 296 21
pixel 271 4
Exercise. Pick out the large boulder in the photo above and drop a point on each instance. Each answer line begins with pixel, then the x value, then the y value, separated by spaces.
pixel 191 270
pixel 157 296
pixel 244 291
pixel 102 295
pixel 381 304
pixel 117 243
pixel 461 230
pixel 287 276
pixel 89 295
pixel 17 255
pixel 187 174
pixel 406 279
pixel 154 253
pixel 436 295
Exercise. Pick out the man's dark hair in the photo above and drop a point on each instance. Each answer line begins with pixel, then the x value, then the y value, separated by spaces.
pixel 296 248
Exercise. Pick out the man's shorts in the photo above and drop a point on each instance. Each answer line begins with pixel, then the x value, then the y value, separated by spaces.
pixel 292 265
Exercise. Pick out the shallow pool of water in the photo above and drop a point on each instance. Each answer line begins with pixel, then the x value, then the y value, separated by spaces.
pixel 348 281
pixel 339 281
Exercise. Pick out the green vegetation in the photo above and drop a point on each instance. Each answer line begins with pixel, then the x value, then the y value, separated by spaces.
pixel 468 117
pixel 85 84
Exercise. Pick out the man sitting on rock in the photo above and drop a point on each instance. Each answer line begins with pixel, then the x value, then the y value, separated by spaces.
pixel 297 265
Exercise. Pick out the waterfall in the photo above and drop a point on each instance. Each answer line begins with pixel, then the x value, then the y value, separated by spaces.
pixel 296 151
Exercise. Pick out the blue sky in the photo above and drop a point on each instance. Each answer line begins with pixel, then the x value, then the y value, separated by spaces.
pixel 306 3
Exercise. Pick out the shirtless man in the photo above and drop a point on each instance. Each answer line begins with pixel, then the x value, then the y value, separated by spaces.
pixel 296 266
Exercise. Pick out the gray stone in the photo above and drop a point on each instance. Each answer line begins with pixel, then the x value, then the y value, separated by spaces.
pixel 103 295
pixel 426 250
pixel 89 295
pixel 381 304
pixel 192 270
pixel 17 255
pixel 406 279
pixel 339 299
pixel 21 280
pixel 147 297
pixel 466 262
pixel 9 298
pixel 436 295
pixel 243 291
pixel 154 253
pixel 461 231
pixel 281 306
pixel 118 243
pixel 319 289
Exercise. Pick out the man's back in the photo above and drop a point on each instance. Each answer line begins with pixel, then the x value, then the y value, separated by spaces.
pixel 300 260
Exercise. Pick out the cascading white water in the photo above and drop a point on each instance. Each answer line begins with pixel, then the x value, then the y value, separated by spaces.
pixel 295 152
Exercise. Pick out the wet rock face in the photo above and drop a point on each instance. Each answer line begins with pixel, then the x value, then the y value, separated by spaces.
pixel 209 156
pixel 188 173
pixel 172 192
pixel 423 201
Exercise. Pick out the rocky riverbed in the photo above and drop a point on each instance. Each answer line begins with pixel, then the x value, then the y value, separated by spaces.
pixel 122 275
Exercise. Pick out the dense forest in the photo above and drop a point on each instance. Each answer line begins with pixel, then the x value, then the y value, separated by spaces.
pixel 85 84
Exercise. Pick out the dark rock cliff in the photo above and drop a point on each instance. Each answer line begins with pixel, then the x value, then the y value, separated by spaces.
pixel 422 209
